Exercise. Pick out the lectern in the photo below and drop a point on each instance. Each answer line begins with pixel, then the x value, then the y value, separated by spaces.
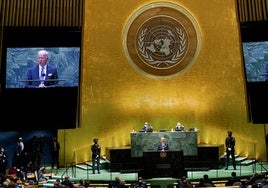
pixel 163 164
pixel 39 81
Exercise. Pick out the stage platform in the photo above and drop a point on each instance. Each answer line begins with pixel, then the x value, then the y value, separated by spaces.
pixel 84 171
pixel 119 163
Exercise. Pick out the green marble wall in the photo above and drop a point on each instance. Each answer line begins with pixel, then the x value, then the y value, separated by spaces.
pixel 185 141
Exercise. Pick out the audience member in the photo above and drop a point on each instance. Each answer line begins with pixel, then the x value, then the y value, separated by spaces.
pixel 57 183
pixel 262 182
pixel 30 168
pixel 87 184
pixel 82 183
pixel 252 179
pixel 201 183
pixel 207 181
pixel 67 182
pixel 162 146
pixel 141 183
pixel 123 182
pixel 8 182
pixel 232 179
pixel 2 179
pixel 118 183
pixel 12 171
pixel 21 174
pixel 26 158
pixel 3 162
pixel 184 183
pixel 41 176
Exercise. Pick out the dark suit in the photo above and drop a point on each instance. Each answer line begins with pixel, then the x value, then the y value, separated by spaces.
pixel 33 74
pixel 162 147
pixel 232 180
pixel 3 162
pixel 55 150
pixel 96 150
pixel 147 128
pixel 230 150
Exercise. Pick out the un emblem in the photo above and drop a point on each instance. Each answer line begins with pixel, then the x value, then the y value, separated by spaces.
pixel 161 40
pixel 163 154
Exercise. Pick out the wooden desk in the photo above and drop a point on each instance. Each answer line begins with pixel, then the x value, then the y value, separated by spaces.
pixel 163 164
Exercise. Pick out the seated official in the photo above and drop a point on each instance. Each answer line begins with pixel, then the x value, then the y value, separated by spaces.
pixel 141 183
pixel 232 179
pixel 118 183
pixel 147 128
pixel 40 175
pixel 67 182
pixel 184 183
pixel 162 146
pixel 179 127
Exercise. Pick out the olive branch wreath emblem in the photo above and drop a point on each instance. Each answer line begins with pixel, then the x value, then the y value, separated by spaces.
pixel 175 57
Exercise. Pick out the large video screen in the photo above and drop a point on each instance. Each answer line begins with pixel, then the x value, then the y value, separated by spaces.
pixel 254 40
pixel 20 61
pixel 256 60
pixel 40 78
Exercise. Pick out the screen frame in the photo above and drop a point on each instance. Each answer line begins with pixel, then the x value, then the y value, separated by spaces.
pixel 256 91
pixel 60 108
pixel 17 65
pixel 32 37
pixel 255 60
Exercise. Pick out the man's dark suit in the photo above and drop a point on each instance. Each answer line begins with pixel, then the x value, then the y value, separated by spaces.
pixel 230 150
pixel 162 147
pixel 33 74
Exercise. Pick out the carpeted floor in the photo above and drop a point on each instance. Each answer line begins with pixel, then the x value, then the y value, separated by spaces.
pixel 84 171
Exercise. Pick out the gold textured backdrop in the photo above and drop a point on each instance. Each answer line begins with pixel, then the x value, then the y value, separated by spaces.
pixel 115 99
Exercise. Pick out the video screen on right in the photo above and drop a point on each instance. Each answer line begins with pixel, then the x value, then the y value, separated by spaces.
pixel 254 45
pixel 255 56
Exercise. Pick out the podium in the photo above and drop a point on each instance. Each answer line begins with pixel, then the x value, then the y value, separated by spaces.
pixel 163 164
pixel 38 81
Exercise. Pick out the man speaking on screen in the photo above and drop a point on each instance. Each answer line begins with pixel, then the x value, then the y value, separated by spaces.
pixel 42 75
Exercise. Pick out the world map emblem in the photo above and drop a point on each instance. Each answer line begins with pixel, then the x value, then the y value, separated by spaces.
pixel 163 154
pixel 161 40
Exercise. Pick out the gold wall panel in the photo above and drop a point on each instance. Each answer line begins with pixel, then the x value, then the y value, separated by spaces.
pixel 115 99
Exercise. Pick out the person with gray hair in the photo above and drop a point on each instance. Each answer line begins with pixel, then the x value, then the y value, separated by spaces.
pixel 162 146
pixel 42 75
